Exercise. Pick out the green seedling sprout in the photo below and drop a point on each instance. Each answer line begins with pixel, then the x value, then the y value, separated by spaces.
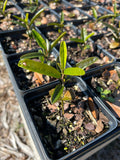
pixel 3 5
pixel 28 25
pixel 59 72
pixel 83 40
pixel 46 46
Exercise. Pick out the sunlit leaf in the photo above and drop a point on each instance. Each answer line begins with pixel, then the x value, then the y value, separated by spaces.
pixel 31 55
pixel 114 44
pixel 74 71
pixel 77 40
pixel 40 40
pixel 36 15
pixel 63 55
pixel 94 12
pixel 4 6
pixel 54 43
pixel 57 93
pixel 38 67
pixel 67 96
pixel 88 36
pixel 86 62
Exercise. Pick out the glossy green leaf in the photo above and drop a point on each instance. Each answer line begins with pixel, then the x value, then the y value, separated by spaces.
pixel 36 15
pixel 74 71
pixel 54 43
pixel 31 55
pixel 77 40
pixel 88 36
pixel 26 17
pixel 86 62
pixel 115 8
pixel 63 55
pixel 94 12
pixel 38 67
pixel 40 40
pixel 106 92
pixel 57 93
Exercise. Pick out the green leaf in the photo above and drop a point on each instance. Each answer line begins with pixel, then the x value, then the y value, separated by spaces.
pixel 31 55
pixel 4 6
pixel 40 40
pixel 86 62
pixel 57 93
pixel 63 55
pixel 62 18
pixel 99 89
pixel 115 8
pixel 106 92
pixel 19 23
pixel 54 43
pixel 38 67
pixel 26 18
pixel 19 18
pixel 74 71
pixel 107 16
pixel 36 15
pixel 83 34
pixel 88 36
pixel 94 12
pixel 77 40
pixel 111 99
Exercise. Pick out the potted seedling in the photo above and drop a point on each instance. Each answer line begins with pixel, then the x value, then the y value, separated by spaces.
pixel 64 110
pixel 28 24
pixel 83 40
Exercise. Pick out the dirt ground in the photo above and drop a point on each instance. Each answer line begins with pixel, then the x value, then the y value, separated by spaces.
pixel 14 141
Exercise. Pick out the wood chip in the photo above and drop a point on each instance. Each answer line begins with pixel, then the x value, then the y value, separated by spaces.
pixel 92 107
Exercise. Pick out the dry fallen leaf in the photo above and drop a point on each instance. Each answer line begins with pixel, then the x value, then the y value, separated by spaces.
pixel 99 126
pixel 38 78
pixel 114 75
pixel 114 44
pixel 115 108
pixel 92 107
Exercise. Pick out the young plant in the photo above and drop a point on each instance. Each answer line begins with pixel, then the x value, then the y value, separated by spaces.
pixel 113 16
pixel 46 46
pixel 3 5
pixel 115 33
pixel 59 25
pixel 32 6
pixel 83 40
pixel 59 71
pixel 24 22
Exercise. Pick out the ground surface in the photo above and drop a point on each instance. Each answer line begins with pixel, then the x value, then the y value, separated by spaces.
pixel 14 141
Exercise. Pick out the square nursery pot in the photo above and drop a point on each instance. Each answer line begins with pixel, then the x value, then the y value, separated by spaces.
pixel 104 79
pixel 47 138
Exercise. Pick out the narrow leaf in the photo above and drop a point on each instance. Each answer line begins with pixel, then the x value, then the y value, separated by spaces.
pixel 57 93
pixel 114 44
pixel 26 17
pixel 88 36
pixel 94 12
pixel 74 71
pixel 36 16
pixel 53 44
pixel 39 68
pixel 62 18
pixel 40 40
pixel 107 16
pixel 19 18
pixel 83 34
pixel 63 55
pixel 76 40
pixel 31 55
pixel 4 6
pixel 86 62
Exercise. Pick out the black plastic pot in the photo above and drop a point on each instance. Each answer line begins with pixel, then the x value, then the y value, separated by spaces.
pixel 98 73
